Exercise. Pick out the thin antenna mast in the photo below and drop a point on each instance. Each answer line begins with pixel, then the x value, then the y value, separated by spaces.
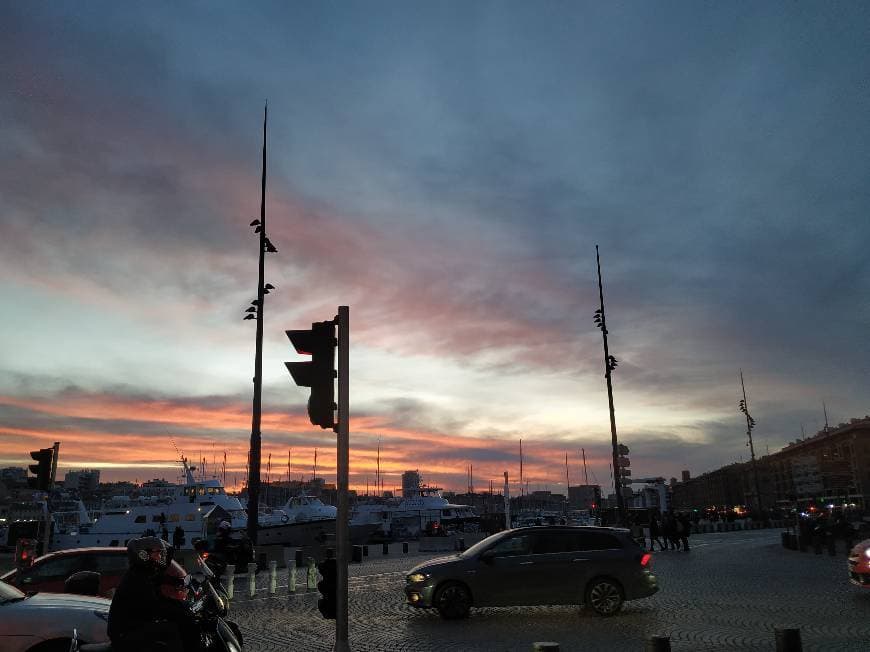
pixel 521 467
pixel 585 472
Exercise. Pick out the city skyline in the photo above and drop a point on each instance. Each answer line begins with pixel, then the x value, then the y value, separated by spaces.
pixel 446 172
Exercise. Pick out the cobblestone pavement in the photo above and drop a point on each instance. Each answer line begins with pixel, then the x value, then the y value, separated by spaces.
pixel 727 593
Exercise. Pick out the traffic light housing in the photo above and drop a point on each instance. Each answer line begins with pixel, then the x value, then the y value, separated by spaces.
pixel 318 373
pixel 328 588
pixel 42 469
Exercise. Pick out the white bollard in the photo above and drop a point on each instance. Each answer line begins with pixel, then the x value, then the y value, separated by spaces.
pixel 291 575
pixel 312 574
pixel 231 580
pixel 273 577
pixel 252 579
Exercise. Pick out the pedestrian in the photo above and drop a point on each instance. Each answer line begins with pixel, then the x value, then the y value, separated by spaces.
pixel 670 530
pixel 683 528
pixel 654 533
pixel 164 533
pixel 637 531
pixel 178 537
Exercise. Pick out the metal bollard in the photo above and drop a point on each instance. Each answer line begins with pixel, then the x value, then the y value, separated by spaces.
pixel 788 639
pixel 252 579
pixel 545 646
pixel 658 643
pixel 291 575
pixel 231 580
pixel 386 549
pixel 461 543
pixel 405 547
pixel 312 575
pixel 273 577
pixel 299 557
pixel 365 551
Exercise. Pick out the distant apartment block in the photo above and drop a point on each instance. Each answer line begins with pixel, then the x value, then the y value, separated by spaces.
pixel 85 480
pixel 584 496
pixel 831 467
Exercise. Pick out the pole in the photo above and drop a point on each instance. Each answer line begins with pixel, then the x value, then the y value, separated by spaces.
pixel 751 445
pixel 507 502
pixel 617 485
pixel 254 477
pixel 342 531
pixel 585 472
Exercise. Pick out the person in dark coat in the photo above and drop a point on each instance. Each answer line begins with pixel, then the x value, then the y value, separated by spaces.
pixel 683 529
pixel 139 619
pixel 178 538
pixel 655 533
pixel 669 530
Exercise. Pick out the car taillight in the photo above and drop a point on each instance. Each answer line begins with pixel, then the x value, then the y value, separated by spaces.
pixel 644 561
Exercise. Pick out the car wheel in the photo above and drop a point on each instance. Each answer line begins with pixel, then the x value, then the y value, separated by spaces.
pixel 453 601
pixel 604 596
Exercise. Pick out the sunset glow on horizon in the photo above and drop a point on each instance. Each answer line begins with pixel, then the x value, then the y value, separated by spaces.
pixel 447 175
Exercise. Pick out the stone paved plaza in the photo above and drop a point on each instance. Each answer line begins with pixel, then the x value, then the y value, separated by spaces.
pixel 728 593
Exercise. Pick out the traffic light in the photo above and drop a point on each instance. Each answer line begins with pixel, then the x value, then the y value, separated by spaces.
pixel 42 470
pixel 318 373
pixel 328 588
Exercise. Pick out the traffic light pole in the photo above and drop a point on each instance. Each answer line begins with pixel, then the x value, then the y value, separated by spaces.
pixel 342 527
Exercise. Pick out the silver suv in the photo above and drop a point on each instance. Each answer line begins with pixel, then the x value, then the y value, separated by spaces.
pixel 598 567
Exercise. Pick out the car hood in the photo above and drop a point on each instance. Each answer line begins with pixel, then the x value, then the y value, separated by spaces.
pixel 69 601
pixel 438 561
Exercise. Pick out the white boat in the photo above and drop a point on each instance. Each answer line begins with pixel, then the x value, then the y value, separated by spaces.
pixel 426 511
pixel 304 521
pixel 122 518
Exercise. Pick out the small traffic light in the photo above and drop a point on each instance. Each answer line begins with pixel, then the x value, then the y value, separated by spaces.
pixel 319 373
pixel 328 588
pixel 42 470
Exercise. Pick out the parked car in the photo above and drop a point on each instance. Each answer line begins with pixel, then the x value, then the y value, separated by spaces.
pixel 598 567
pixel 44 622
pixel 49 572
pixel 859 564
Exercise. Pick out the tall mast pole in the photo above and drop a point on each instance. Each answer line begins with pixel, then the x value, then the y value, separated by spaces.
pixel 585 472
pixel 521 467
pixel 617 484
pixel 254 471
pixel 750 424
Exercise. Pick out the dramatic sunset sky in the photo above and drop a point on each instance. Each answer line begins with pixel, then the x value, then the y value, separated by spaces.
pixel 446 170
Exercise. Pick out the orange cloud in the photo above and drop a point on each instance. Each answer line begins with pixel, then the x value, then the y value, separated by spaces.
pixel 133 438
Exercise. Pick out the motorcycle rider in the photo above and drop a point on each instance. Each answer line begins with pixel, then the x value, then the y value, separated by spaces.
pixel 142 617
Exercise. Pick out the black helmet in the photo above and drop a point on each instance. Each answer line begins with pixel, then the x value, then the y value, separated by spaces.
pixel 151 553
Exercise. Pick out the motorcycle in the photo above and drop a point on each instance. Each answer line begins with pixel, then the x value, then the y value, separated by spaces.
pixel 209 603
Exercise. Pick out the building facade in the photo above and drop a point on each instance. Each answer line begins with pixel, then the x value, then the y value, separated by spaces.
pixel 830 468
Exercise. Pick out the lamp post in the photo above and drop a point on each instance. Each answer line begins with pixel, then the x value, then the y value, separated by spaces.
pixel 750 424
pixel 610 364
pixel 255 311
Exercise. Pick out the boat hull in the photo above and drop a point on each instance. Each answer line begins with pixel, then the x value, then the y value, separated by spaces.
pixel 310 533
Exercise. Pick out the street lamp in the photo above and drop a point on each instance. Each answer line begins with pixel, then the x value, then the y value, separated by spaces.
pixel 610 364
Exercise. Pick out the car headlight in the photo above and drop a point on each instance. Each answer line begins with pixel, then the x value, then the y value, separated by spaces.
pixel 867 552
pixel 413 578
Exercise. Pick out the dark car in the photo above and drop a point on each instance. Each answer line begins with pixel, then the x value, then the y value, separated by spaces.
pixel 49 572
pixel 598 567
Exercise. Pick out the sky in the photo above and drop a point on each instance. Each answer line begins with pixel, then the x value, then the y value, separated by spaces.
pixel 446 170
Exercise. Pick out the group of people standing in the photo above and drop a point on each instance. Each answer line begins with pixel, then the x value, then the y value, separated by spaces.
pixel 671 532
